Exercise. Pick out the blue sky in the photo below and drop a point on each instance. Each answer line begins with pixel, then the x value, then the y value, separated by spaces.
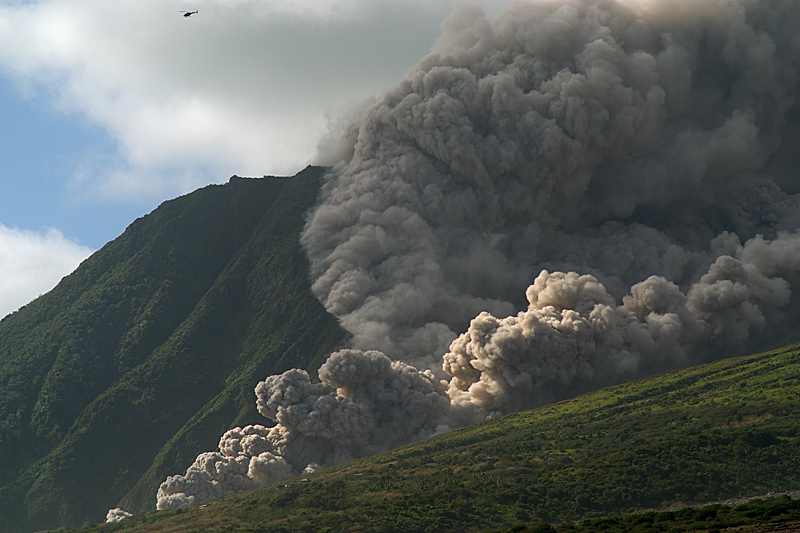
pixel 109 108
pixel 40 149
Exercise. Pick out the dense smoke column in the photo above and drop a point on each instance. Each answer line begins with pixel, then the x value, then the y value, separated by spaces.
pixel 589 136
pixel 574 337
pixel 630 169
pixel 364 404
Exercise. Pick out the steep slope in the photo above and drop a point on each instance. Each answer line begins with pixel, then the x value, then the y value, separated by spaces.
pixel 151 348
pixel 709 433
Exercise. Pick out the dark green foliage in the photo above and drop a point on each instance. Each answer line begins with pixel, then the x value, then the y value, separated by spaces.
pixel 709 433
pixel 768 514
pixel 151 349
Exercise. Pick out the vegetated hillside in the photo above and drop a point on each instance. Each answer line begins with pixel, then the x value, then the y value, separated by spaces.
pixel 151 349
pixel 709 433
pixel 773 514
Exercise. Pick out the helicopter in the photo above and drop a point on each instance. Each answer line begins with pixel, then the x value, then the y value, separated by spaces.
pixel 189 13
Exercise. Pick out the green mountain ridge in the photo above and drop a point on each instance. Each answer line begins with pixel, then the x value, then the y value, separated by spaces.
pixel 145 355
pixel 150 350
pixel 709 433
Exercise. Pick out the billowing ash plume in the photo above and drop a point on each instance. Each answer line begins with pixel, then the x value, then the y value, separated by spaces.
pixel 365 404
pixel 574 337
pixel 632 166
pixel 586 136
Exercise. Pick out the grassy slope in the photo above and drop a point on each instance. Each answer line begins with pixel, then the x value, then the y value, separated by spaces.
pixel 763 515
pixel 708 433
pixel 157 340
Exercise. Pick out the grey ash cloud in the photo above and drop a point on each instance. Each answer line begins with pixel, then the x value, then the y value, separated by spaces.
pixel 574 194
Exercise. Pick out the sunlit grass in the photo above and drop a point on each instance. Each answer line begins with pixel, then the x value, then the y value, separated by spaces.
pixel 708 433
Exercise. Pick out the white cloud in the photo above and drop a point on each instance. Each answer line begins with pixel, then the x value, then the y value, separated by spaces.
pixel 242 87
pixel 32 263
